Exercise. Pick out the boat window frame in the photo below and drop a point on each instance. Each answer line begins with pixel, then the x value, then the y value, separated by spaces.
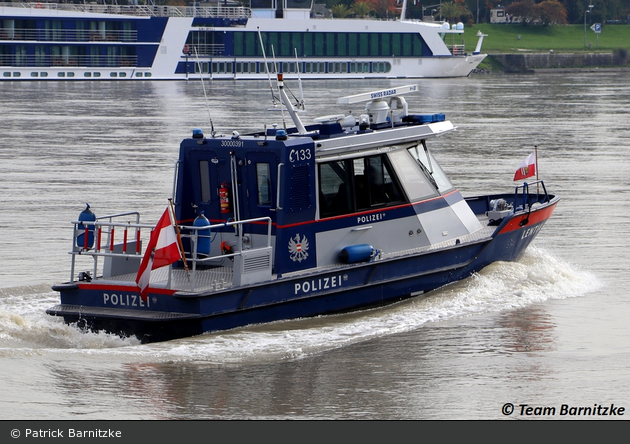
pixel 358 190
pixel 205 187
pixel 432 166
pixel 415 182
pixel 263 184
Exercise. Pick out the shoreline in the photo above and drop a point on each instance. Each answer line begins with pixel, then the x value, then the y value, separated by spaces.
pixel 552 70
pixel 515 63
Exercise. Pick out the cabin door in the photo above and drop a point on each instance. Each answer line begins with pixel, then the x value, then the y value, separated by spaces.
pixel 259 175
pixel 204 173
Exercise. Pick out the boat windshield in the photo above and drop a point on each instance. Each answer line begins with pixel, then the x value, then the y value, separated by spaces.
pixel 427 162
pixel 415 180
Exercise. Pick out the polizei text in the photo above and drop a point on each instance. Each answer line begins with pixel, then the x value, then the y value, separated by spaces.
pixel 125 300
pixel 323 283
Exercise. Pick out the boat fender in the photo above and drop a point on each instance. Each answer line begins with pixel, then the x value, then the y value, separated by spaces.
pixel 86 216
pixel 357 253
pixel 203 235
pixel 224 198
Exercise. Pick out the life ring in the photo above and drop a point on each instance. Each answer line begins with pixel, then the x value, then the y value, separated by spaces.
pixel 186 49
pixel 39 6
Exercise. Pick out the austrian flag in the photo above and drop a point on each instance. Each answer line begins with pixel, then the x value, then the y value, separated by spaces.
pixel 162 250
pixel 527 168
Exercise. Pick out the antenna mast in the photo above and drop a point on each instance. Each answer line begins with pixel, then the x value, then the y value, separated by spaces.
pixel 203 85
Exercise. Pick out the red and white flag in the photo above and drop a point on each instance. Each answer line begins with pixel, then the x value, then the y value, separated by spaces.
pixel 527 168
pixel 163 249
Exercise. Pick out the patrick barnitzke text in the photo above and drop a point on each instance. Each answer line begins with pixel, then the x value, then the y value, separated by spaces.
pixel 71 433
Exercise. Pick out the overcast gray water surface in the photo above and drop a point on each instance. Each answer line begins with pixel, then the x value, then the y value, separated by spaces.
pixel 547 331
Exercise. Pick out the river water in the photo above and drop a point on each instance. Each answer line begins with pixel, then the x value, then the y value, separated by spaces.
pixel 547 331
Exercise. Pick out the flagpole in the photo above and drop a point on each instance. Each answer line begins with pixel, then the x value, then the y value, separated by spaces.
pixel 536 156
pixel 179 238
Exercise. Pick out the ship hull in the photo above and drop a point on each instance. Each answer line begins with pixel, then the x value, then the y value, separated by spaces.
pixel 167 315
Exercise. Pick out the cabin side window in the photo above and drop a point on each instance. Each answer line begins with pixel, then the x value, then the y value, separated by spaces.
pixel 334 188
pixel 357 185
pixel 374 183
pixel 263 183
pixel 204 181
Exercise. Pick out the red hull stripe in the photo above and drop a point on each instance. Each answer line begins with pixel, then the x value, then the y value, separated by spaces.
pixel 535 217
pixel 123 288
pixel 342 216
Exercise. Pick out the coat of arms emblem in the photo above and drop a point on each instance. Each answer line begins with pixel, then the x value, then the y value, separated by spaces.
pixel 298 248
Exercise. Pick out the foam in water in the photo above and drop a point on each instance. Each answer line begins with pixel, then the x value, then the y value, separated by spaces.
pixel 537 277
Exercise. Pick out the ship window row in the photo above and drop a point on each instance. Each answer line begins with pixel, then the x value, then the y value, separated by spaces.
pixel 72 74
pixel 325 44
pixel 68 55
pixel 67 30
pixel 293 67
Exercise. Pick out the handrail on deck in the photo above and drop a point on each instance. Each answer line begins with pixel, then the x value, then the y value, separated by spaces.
pixel 525 187
pixel 110 249
pixel 195 236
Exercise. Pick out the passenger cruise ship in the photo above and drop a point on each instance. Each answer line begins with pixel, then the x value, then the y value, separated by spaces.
pixel 53 41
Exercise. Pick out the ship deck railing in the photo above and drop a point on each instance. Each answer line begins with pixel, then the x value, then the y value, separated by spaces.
pixel 234 12
pixel 116 250
pixel 69 35
pixel 205 50
pixel 457 50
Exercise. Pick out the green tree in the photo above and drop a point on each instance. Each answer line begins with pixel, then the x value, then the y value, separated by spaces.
pixel 551 11
pixel 340 10
pixel 361 9
pixel 454 11
pixel 383 8
pixel 525 11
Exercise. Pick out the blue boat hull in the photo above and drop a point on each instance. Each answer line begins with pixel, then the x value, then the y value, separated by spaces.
pixel 168 315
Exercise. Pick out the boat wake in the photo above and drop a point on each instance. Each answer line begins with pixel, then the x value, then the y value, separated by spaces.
pixel 537 277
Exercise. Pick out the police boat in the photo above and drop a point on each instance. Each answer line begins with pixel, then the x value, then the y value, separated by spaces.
pixel 340 215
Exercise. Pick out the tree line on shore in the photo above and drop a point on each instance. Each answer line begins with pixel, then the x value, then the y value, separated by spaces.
pixel 543 12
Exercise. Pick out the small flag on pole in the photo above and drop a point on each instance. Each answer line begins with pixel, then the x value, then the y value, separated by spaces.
pixel 527 168
pixel 162 250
